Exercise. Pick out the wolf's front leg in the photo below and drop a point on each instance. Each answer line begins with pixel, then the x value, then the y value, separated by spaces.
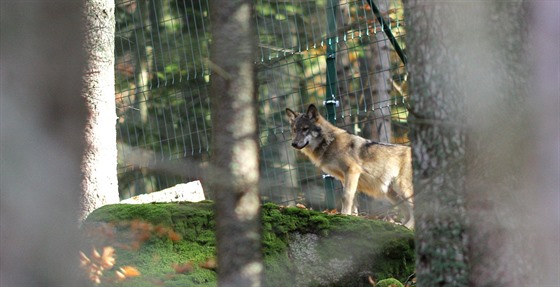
pixel 350 186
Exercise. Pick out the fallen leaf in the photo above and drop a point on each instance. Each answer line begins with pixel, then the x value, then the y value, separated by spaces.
pixel 161 230
pixel 120 275
pixel 183 268
pixel 84 260
pixel 210 264
pixel 95 254
pixel 107 259
pixel 130 271
pixel 174 236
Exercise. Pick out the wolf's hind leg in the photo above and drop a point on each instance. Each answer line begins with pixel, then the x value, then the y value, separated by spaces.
pixel 350 186
pixel 404 204
pixel 408 220
pixel 355 205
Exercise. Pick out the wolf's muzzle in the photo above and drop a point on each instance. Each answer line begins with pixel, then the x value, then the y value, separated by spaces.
pixel 296 145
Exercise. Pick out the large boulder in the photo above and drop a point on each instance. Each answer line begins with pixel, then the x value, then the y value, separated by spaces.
pixel 173 244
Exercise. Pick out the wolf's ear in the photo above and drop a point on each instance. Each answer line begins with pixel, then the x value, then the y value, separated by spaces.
pixel 312 112
pixel 291 115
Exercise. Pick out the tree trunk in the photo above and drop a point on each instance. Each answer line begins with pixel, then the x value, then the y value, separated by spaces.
pixel 474 141
pixel 500 202
pixel 381 73
pixel 235 171
pixel 438 144
pixel 42 119
pixel 99 165
pixel 544 168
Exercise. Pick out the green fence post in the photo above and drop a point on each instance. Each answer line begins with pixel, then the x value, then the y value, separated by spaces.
pixel 330 102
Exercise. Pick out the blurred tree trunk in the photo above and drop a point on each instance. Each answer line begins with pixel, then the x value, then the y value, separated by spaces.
pixel 99 165
pixel 438 143
pixel 42 119
pixel 500 202
pixel 235 169
pixel 478 204
pixel 544 168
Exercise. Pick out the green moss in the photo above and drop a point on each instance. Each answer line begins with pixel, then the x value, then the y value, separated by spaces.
pixel 390 282
pixel 301 247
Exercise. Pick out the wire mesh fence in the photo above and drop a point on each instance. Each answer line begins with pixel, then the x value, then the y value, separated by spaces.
pixel 162 84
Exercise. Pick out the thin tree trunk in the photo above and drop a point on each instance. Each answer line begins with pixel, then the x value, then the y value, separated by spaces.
pixel 380 75
pixel 99 165
pixel 144 65
pixel 235 168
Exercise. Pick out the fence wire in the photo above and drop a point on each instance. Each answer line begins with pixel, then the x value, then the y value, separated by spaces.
pixel 162 85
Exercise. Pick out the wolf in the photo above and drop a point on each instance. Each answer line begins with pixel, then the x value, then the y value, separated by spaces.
pixel 382 171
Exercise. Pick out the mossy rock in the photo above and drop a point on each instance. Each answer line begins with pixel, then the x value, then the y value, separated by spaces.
pixel 301 247
pixel 389 282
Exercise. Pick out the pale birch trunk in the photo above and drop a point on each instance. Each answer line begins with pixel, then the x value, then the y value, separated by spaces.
pixel 99 165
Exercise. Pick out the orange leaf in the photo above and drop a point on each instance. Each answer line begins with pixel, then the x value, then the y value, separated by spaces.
pixel 108 257
pixel 130 271
pixel 160 230
pixel 84 260
pixel 210 264
pixel 183 268
pixel 174 236
pixel 96 279
pixel 95 254
pixel 120 275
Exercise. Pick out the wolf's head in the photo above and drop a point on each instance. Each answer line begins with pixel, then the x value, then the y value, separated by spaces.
pixel 305 129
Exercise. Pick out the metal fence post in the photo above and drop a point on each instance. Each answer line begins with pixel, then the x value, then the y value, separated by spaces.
pixel 330 102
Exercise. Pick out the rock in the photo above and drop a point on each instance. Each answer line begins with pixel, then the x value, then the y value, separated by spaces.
pixel 191 192
pixel 301 247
